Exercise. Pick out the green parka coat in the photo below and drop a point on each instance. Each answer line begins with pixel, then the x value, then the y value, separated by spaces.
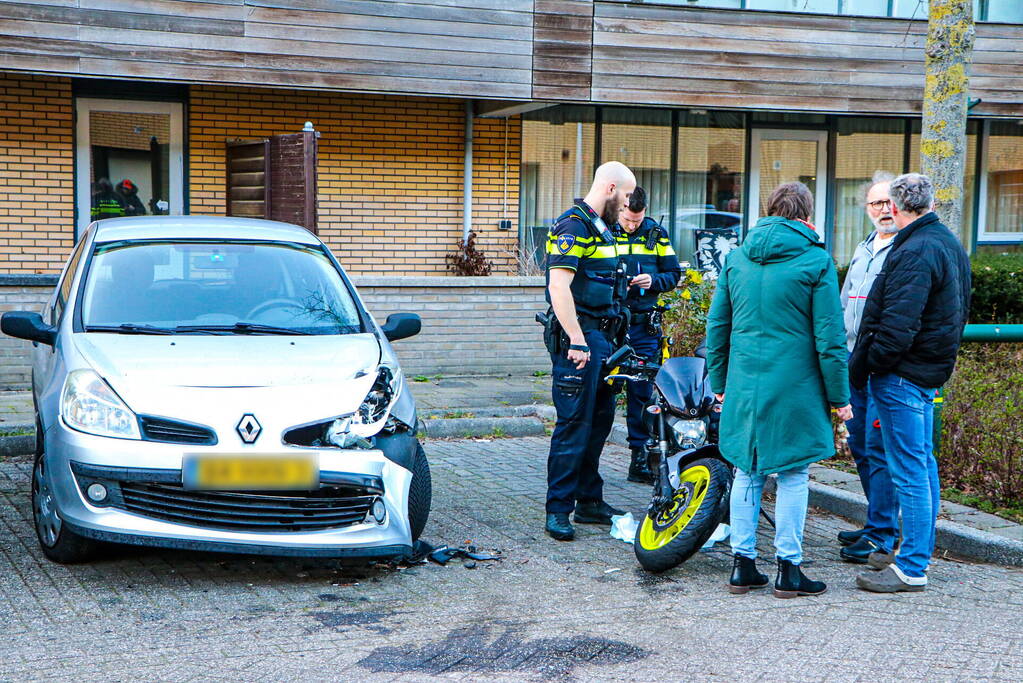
pixel 776 349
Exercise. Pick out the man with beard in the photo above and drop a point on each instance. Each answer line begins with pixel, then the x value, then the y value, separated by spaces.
pixel 585 294
pixel 865 442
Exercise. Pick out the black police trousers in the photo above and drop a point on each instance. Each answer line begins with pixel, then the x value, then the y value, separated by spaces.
pixel 585 407
pixel 647 346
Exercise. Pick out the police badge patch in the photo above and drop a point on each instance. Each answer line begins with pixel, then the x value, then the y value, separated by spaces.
pixel 565 243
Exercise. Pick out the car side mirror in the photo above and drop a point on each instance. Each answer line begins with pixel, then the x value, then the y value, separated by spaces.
pixel 401 326
pixel 26 325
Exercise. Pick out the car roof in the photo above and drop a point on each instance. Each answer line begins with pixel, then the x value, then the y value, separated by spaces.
pixel 199 227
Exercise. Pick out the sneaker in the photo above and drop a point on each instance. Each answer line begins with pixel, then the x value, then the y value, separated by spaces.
pixel 891 579
pixel 597 512
pixel 558 526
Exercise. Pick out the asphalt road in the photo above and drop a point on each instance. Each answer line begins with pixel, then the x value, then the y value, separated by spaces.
pixel 548 610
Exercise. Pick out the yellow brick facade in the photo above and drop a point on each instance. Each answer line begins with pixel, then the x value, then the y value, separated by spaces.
pixel 36 173
pixel 389 175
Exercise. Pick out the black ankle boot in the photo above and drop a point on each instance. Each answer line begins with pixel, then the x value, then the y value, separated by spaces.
pixel 639 470
pixel 746 576
pixel 791 583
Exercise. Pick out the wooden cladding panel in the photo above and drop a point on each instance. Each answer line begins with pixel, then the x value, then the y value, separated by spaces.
pixel 562 49
pixel 293 179
pixel 706 58
pixel 438 47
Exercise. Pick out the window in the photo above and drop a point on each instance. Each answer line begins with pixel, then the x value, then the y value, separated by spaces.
pixel 641 139
pixel 864 145
pixel 709 179
pixel 1009 11
pixel 558 146
pixel 1001 217
pixel 64 288
pixel 128 159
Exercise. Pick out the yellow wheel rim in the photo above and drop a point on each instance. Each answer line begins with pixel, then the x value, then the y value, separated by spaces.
pixel 688 497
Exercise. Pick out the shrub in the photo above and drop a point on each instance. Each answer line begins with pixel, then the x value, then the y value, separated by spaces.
pixel 997 289
pixel 982 424
pixel 468 260
pixel 686 323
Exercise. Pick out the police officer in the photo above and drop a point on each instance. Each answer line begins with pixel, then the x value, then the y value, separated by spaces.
pixel 653 269
pixel 105 202
pixel 584 288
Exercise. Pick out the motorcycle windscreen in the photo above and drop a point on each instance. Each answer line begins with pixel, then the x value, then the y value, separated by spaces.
pixel 684 386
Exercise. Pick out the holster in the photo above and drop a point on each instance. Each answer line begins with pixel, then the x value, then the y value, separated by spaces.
pixel 553 334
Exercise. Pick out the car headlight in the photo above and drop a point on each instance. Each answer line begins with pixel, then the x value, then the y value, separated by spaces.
pixel 690 433
pixel 354 430
pixel 89 405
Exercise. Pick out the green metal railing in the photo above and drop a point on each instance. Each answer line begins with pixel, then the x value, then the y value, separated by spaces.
pixel 975 334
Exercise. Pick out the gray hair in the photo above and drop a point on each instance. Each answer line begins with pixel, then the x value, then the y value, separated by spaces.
pixel 878 177
pixel 912 193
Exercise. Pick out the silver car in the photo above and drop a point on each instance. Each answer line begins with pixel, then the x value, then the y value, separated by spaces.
pixel 217 384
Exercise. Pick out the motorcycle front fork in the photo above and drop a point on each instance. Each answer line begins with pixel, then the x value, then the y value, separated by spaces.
pixel 663 493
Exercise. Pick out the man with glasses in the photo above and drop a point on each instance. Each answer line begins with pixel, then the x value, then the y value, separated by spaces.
pixel 865 442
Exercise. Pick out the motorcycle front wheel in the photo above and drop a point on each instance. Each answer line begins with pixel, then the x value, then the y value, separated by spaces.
pixel 684 526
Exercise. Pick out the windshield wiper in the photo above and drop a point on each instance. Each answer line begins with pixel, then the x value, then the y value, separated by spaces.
pixel 129 328
pixel 240 328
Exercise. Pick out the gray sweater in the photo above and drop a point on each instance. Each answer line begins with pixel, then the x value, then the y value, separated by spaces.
pixel 863 269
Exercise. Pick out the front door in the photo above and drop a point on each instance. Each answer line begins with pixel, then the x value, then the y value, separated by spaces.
pixel 784 156
pixel 128 159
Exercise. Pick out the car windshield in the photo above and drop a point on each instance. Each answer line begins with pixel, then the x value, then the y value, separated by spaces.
pixel 216 287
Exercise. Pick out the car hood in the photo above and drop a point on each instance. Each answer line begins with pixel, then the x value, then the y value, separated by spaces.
pixel 205 379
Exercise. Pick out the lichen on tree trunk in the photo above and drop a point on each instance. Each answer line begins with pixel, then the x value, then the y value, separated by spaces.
pixel 949 53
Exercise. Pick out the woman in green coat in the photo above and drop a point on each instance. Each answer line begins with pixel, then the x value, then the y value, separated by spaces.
pixel 776 358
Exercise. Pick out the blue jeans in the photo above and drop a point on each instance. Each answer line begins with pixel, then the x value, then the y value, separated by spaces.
pixel 789 513
pixel 645 345
pixel 867 447
pixel 906 412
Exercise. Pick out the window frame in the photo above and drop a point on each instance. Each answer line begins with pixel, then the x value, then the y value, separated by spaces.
pixel 983 236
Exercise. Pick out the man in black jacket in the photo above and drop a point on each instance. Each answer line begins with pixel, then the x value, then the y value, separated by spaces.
pixel 906 348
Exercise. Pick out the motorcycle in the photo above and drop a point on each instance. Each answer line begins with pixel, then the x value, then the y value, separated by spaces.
pixel 691 479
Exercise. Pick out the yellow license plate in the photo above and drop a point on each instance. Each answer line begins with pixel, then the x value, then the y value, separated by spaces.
pixel 251 472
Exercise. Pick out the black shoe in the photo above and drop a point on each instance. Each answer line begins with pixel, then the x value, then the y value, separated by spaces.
pixel 850 537
pixel 791 582
pixel 860 551
pixel 558 526
pixel 595 513
pixel 639 468
pixel 746 576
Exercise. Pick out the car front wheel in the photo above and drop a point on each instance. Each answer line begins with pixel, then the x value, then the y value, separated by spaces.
pixel 59 543
pixel 420 494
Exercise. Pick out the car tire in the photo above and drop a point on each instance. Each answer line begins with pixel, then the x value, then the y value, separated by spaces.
pixel 57 541
pixel 420 493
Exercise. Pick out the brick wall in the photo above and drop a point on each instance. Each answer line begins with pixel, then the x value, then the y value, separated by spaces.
pixel 389 176
pixel 36 169
pixel 471 326
pixel 16 354
pixel 128 130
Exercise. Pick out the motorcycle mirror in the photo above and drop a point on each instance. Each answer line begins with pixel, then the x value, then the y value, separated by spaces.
pixel 617 357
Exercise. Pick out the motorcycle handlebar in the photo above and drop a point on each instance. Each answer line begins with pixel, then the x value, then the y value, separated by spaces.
pixel 616 357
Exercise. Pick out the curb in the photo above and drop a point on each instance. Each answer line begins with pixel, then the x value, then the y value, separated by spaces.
pixel 20 444
pixel 952 536
pixel 482 426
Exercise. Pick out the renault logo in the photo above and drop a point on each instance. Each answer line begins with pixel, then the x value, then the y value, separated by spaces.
pixel 248 428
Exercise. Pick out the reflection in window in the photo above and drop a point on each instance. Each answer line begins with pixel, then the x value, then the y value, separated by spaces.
pixel 641 139
pixel 130 163
pixel 864 146
pixel 557 166
pixel 709 180
pixel 1004 179
pixel 969 180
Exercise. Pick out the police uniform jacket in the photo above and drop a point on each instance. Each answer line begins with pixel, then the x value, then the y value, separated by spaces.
pixel 581 242
pixel 648 250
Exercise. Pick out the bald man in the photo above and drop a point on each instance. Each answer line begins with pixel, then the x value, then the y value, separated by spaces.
pixel 582 260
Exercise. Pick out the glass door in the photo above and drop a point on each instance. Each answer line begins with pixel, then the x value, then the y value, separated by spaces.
pixel 784 156
pixel 128 159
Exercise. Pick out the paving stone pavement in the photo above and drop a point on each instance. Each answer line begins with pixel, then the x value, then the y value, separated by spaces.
pixel 548 611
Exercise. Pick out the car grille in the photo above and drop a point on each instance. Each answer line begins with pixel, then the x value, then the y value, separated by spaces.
pixel 326 508
pixel 173 431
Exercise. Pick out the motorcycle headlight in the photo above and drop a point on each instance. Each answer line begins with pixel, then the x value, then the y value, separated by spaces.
pixel 690 433
pixel 89 405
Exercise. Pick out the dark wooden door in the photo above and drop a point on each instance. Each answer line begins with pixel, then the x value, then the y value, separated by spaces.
pixel 274 178
pixel 248 173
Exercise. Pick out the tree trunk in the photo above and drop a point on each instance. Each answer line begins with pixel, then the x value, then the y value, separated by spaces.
pixel 949 53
